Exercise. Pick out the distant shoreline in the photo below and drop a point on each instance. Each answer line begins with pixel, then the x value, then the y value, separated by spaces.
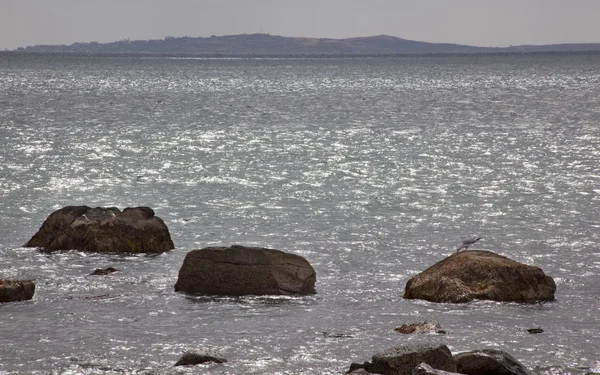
pixel 270 45
pixel 285 56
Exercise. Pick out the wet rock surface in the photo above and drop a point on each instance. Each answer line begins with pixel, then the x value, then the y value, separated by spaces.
pixel 401 360
pixel 240 270
pixel 479 274
pixel 103 230
pixel 489 362
pixel 16 290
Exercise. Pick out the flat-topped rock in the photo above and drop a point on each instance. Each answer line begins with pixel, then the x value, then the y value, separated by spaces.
pixel 480 274
pixel 240 270
pixel 103 230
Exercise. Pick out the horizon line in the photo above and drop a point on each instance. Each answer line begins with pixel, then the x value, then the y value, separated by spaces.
pixel 167 37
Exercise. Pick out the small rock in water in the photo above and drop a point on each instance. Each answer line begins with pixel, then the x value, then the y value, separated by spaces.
pixel 335 335
pixel 16 290
pixel 190 358
pixel 104 271
pixel 423 327
pixel 535 330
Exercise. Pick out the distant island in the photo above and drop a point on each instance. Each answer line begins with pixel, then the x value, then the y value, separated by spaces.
pixel 266 44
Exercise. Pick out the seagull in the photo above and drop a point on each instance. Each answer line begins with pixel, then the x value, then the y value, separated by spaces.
pixel 466 243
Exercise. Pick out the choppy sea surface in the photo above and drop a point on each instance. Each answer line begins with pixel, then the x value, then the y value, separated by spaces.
pixel 372 168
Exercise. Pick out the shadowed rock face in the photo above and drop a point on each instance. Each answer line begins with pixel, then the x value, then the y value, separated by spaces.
pixel 479 274
pixel 16 290
pixel 489 362
pixel 240 270
pixel 103 230
pixel 402 360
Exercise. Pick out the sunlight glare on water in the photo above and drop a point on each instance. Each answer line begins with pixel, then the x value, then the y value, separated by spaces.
pixel 371 168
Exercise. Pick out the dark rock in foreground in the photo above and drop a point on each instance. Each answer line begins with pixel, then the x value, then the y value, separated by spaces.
pixel 16 290
pixel 103 230
pixel 240 270
pixel 480 274
pixel 489 362
pixel 403 359
pixel 190 358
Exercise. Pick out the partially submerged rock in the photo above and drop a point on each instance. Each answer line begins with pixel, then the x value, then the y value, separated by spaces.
pixel 489 362
pixel 103 230
pixel 401 360
pixel 16 290
pixel 104 271
pixel 534 331
pixel 419 328
pixel 240 270
pixel 335 335
pixel 480 274
pixel 190 358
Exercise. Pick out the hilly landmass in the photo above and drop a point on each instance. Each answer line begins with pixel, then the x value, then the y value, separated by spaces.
pixel 266 44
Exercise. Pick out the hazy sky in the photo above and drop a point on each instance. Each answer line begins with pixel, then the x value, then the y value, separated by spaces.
pixel 474 22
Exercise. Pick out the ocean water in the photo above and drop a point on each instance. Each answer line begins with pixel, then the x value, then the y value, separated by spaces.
pixel 372 168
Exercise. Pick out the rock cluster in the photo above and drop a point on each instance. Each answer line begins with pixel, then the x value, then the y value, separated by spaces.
pixel 422 359
pixel 240 270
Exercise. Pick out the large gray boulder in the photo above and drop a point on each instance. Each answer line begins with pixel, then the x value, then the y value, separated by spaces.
pixel 402 360
pixel 489 362
pixel 16 290
pixel 480 274
pixel 240 270
pixel 103 230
